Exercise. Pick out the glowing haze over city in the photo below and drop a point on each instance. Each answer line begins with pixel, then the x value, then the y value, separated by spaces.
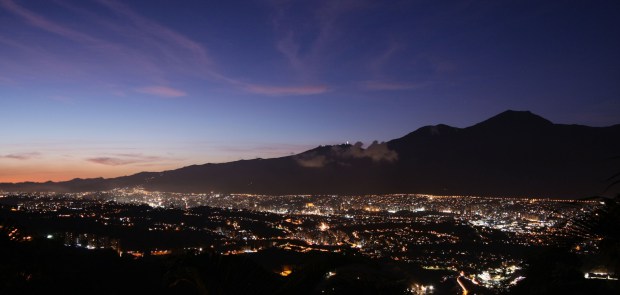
pixel 110 88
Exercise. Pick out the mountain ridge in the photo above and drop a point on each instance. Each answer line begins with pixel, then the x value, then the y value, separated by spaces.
pixel 514 153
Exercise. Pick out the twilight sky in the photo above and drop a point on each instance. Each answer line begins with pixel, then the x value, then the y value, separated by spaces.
pixel 106 88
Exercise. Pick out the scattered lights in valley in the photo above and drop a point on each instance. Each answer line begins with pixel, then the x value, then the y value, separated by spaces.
pixel 456 234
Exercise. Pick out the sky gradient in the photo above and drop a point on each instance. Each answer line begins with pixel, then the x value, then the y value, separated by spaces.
pixel 109 88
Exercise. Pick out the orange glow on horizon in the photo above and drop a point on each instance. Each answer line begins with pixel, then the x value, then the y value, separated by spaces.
pixel 59 173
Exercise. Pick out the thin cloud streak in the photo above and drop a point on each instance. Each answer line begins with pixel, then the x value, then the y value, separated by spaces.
pixel 327 29
pixel 45 24
pixel 168 48
pixel 116 53
pixel 277 90
pixel 163 91
pixel 378 65
pixel 158 30
pixel 290 49
pixel 21 156
pixel 200 56
pixel 126 159
pixel 110 161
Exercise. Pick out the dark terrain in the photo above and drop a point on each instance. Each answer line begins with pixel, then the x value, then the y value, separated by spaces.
pixel 512 154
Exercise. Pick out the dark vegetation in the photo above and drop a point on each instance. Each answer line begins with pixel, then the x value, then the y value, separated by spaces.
pixel 47 267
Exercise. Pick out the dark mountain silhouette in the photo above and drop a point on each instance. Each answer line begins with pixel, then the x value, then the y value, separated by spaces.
pixel 515 153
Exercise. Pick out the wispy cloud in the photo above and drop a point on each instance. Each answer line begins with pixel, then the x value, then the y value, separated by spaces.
pixel 378 64
pixel 116 54
pixel 28 59
pixel 290 49
pixel 45 24
pixel 378 152
pixel 166 47
pixel 180 49
pixel 163 91
pixel 110 161
pixel 285 90
pixel 21 156
pixel 141 47
pixel 126 159
pixel 309 56
pixel 160 32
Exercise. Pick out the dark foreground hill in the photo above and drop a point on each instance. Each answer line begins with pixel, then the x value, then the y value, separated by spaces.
pixel 512 154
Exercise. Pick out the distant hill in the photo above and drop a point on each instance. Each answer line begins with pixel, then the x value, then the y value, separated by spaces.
pixel 515 153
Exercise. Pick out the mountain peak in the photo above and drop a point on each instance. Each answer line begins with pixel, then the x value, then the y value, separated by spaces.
pixel 513 153
pixel 514 119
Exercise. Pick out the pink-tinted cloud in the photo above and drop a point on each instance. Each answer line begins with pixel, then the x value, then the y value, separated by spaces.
pixel 163 91
pixel 125 159
pixel 21 156
pixel 109 161
pixel 388 85
pixel 286 90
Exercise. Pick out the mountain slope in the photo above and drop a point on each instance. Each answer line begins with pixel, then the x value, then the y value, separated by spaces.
pixel 514 153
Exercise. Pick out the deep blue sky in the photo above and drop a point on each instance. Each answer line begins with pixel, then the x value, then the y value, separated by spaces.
pixel 108 88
